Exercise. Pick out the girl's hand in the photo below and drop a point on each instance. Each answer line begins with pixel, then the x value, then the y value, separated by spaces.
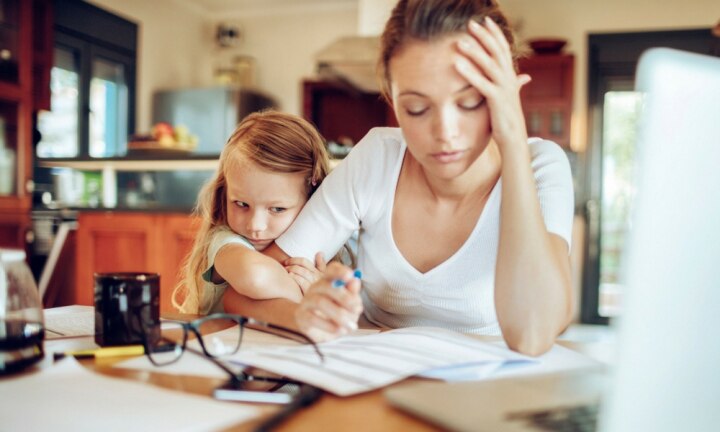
pixel 487 64
pixel 327 312
pixel 303 272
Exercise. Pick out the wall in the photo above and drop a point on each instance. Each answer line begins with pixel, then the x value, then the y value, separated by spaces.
pixel 284 43
pixel 575 19
pixel 177 47
pixel 172 51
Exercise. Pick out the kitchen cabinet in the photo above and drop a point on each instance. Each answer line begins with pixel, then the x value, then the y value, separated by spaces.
pixel 547 99
pixel 343 113
pixel 13 228
pixel 131 242
pixel 25 53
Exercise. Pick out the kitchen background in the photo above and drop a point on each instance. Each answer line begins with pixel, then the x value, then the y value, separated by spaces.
pixel 282 52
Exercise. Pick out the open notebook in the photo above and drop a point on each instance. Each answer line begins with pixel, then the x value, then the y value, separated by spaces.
pixel 667 373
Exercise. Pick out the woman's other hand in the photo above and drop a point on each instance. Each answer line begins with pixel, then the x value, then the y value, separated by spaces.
pixel 487 64
pixel 303 272
pixel 328 311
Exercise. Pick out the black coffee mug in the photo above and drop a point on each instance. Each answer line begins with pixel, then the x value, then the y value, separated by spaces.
pixel 127 307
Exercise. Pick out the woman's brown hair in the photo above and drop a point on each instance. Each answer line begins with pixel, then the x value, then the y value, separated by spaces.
pixel 429 20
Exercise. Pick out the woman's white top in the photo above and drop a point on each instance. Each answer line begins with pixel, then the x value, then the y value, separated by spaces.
pixel 457 294
pixel 212 293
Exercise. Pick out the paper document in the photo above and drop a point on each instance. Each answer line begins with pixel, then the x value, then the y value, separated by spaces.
pixel 194 365
pixel 358 364
pixel 67 397
pixel 69 321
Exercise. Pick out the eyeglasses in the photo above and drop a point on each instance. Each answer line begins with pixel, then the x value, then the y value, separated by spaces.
pixel 166 341
pixel 166 344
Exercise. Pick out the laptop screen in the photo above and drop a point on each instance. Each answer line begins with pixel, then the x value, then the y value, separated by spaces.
pixel 668 370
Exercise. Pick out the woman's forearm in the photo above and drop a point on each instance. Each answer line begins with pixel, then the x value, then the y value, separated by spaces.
pixel 532 281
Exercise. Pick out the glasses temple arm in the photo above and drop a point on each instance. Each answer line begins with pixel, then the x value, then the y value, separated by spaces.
pixel 233 376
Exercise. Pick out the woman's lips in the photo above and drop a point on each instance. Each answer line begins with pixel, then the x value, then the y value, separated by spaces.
pixel 447 157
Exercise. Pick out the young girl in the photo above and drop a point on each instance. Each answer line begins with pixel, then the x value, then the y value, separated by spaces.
pixel 268 169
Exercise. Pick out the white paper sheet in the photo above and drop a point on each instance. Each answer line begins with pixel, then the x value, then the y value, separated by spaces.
pixel 69 321
pixel 558 359
pixel 68 397
pixel 359 364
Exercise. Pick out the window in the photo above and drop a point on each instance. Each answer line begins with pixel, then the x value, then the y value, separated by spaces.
pixel 92 84
pixel 613 111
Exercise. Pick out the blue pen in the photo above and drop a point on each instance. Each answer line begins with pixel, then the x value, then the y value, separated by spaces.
pixel 337 283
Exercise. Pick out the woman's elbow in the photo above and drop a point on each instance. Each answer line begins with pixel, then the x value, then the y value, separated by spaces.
pixel 528 341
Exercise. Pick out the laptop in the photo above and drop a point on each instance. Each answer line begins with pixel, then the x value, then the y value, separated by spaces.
pixel 667 372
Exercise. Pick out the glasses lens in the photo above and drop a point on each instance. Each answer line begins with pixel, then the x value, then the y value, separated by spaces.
pixel 166 346
pixel 221 336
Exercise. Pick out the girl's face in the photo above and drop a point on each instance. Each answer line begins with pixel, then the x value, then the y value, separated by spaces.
pixel 444 119
pixel 262 204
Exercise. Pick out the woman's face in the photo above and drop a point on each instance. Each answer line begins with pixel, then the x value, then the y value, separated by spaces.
pixel 261 205
pixel 445 120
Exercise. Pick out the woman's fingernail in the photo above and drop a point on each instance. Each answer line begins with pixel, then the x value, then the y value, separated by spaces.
pixel 337 283
pixel 351 325
pixel 357 274
pixel 474 25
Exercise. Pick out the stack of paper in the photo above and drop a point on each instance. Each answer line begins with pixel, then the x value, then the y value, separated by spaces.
pixel 359 364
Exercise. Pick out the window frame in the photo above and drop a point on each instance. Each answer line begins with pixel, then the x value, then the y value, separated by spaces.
pixel 92 33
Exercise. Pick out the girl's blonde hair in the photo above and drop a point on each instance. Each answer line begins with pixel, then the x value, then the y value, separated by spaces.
pixel 275 141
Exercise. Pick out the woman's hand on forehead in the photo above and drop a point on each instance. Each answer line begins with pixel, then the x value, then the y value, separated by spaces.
pixel 487 64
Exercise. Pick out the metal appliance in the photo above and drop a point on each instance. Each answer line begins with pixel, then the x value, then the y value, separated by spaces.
pixel 211 113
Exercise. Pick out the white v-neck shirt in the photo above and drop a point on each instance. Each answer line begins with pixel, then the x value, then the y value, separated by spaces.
pixel 457 294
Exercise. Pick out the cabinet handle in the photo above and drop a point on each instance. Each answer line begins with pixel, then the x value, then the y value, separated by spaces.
pixel 29 186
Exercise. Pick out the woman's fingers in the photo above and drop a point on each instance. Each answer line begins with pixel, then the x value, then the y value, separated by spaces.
pixel 331 308
pixel 493 41
pixel 320 262
pixel 524 79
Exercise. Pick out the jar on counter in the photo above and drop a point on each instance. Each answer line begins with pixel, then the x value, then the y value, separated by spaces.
pixel 22 328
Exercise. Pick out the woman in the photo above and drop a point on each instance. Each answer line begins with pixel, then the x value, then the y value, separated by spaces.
pixel 464 223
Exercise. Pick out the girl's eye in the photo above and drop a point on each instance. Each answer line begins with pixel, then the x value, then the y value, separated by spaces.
pixel 472 104
pixel 277 209
pixel 241 204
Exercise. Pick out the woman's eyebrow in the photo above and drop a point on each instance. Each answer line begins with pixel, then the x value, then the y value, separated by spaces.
pixel 417 93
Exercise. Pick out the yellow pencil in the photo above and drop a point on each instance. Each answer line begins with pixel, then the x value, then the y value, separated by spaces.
pixel 116 351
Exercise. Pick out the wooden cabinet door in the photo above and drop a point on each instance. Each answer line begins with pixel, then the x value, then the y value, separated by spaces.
pixel 131 242
pixel 178 234
pixel 114 242
pixel 13 228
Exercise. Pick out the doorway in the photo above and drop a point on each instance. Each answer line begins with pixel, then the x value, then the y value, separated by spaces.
pixel 613 109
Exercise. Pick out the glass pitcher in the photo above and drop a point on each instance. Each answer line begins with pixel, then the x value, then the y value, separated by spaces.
pixel 21 315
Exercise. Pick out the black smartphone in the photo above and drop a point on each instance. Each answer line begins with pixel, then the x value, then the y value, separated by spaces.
pixel 255 391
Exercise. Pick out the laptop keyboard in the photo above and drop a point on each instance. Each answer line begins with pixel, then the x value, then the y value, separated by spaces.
pixel 565 419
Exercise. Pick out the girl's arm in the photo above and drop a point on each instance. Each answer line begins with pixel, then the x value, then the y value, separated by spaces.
pixel 325 312
pixel 254 275
pixel 532 281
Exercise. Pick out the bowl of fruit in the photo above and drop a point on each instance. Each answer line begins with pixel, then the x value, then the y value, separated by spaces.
pixel 164 138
